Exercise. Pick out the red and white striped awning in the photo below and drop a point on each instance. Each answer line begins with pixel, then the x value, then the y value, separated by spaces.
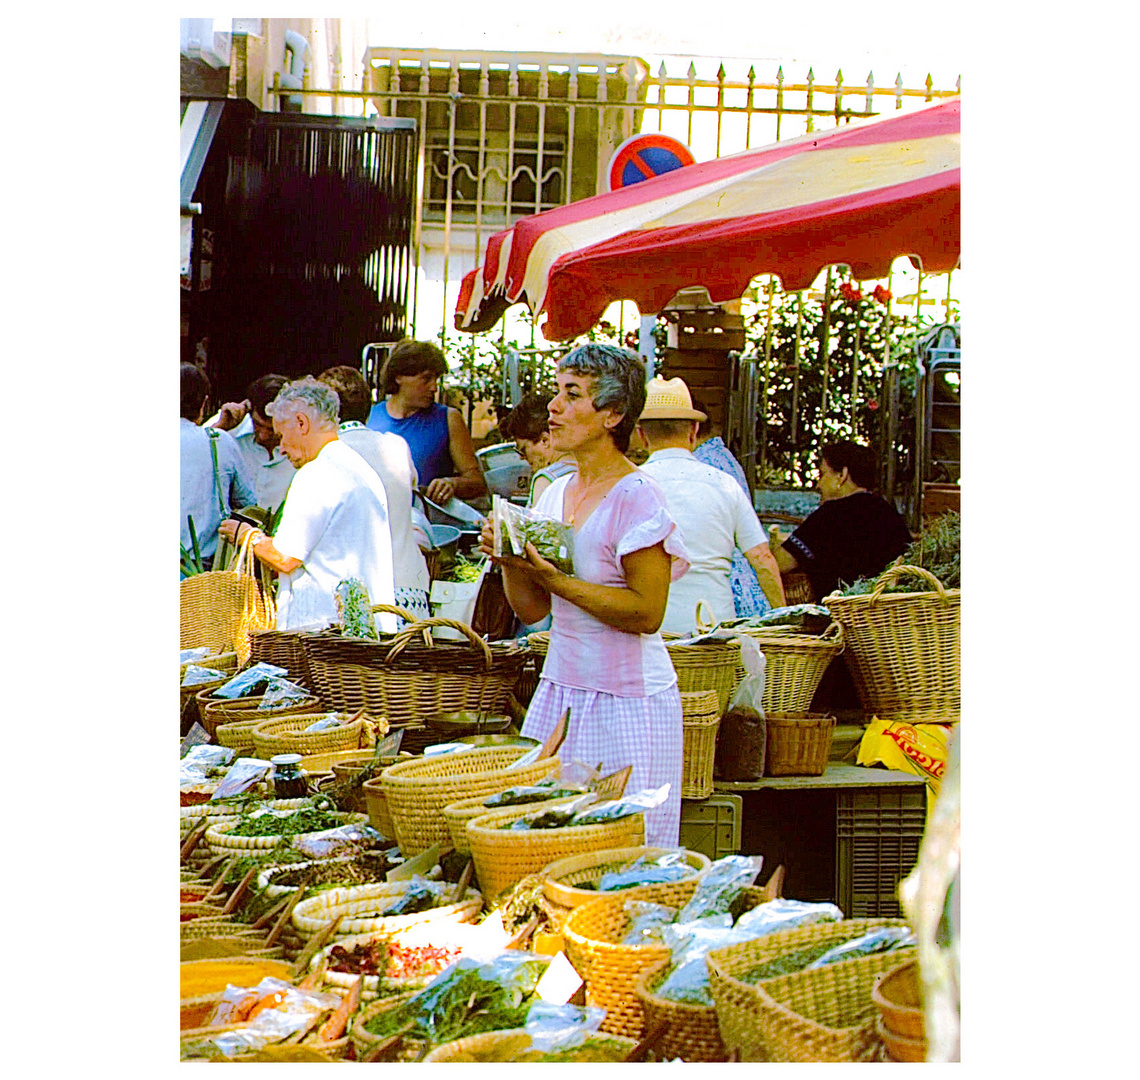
pixel 860 195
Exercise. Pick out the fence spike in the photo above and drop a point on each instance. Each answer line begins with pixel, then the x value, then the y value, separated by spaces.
pixel 898 90
pixel 752 73
pixel 692 71
pixel 720 72
pixel 929 87
pixel 661 74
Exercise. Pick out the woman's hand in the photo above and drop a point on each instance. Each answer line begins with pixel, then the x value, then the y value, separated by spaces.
pixel 228 529
pixel 440 490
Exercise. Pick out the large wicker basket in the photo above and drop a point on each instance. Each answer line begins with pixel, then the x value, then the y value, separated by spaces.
pixel 700 713
pixel 287 735
pixel 416 791
pixel 283 648
pixel 463 811
pixel 405 679
pixel 593 933
pixel 514 1044
pixel 903 649
pixel 795 665
pixel 822 1015
pixel 504 857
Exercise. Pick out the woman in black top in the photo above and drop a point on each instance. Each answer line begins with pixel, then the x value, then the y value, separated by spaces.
pixel 854 533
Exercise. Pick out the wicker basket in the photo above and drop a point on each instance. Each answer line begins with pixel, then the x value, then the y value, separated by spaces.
pixel 897 995
pixel 417 791
pixel 200 977
pixel 797 588
pixel 797 744
pixel 224 662
pixel 287 735
pixel 795 665
pixel 822 1015
pixel 593 933
pixel 562 878
pixel 376 804
pixel 512 1045
pixel 709 665
pixel 283 648
pixel 459 813
pixel 218 711
pixel 691 1031
pixel 221 843
pixel 503 858
pixel 701 718
pixel 405 679
pixel 355 901
pixel 903 648
pixel 364 1042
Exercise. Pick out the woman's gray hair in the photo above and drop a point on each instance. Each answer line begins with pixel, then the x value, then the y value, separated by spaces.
pixel 320 400
pixel 619 383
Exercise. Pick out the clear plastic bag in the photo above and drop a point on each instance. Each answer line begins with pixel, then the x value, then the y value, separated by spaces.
pixel 553 817
pixel 245 683
pixel 741 739
pixel 194 675
pixel 648 921
pixel 514 527
pixel 671 866
pixel 185 656
pixel 280 692
pixel 559 1027
pixel 289 1010
pixel 719 886
pixel 688 977
pixel 243 774
pixel 782 914
pixel 542 789
pixel 882 939
pixel 354 609
pixel 325 723
pixel 614 809
pixel 208 756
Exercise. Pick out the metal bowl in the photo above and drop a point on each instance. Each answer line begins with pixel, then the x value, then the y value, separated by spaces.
pixel 457 724
pixel 498 740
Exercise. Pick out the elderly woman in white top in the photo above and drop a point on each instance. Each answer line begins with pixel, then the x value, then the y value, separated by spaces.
pixel 335 521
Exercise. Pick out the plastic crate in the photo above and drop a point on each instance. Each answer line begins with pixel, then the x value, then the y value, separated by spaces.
pixel 712 826
pixel 877 836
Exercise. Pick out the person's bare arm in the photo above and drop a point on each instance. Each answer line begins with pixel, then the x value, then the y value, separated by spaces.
pixel 235 531
pixel 785 560
pixel 469 483
pixel 764 562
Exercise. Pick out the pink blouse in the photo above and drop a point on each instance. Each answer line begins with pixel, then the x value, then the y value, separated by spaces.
pixel 584 652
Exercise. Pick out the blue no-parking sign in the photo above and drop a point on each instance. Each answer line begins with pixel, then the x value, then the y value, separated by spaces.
pixel 641 157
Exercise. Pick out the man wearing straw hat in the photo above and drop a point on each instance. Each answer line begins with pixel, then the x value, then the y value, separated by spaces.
pixel 713 513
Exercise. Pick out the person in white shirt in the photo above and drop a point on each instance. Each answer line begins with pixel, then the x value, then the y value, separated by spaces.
pixel 246 423
pixel 391 457
pixel 213 477
pixel 335 522
pixel 714 515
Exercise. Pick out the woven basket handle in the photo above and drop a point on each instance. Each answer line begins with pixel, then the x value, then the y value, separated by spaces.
pixel 407 616
pixel 834 633
pixel 406 635
pixel 704 627
pixel 894 574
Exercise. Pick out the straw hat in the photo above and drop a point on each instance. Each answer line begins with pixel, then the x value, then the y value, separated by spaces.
pixel 669 399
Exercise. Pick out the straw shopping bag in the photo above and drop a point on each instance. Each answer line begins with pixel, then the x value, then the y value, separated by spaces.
pixel 221 607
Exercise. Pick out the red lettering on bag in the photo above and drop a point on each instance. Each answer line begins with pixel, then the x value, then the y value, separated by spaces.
pixel 905 738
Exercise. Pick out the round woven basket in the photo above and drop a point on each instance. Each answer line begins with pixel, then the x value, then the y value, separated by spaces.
pixel 822 1015
pixel 691 1031
pixel 416 791
pixel 562 877
pixel 514 1044
pixel 798 744
pixel 287 735
pixel 199 977
pixel 188 695
pixel 406 679
pixel 504 857
pixel 364 1042
pixel 700 713
pixel 593 933
pixel 221 842
pixel 215 712
pixel 354 902
pixel 458 814
pixel 904 649
pixel 794 667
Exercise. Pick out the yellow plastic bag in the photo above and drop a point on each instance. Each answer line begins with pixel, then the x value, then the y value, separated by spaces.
pixel 921 749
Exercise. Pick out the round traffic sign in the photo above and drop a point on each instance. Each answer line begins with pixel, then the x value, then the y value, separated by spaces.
pixel 641 157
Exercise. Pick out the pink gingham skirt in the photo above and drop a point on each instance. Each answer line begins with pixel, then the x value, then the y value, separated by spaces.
pixel 619 731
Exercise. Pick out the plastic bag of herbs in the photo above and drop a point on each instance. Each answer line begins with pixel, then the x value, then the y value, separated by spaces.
pixel 467 998
pixel 938 550
pixel 514 527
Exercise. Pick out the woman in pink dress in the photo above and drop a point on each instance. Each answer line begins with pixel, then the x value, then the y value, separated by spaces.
pixel 607 662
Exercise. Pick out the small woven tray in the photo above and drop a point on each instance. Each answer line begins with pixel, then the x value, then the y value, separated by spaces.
pixel 221 842
pixel 287 735
pixel 216 713
pixel 508 1045
pixel 416 791
pixel 313 915
pixel 363 1041
pixel 821 1015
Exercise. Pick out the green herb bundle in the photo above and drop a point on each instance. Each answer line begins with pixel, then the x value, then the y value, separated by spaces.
pixel 305 820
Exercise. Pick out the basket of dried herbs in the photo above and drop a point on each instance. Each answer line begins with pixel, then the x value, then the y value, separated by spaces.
pixel 268 828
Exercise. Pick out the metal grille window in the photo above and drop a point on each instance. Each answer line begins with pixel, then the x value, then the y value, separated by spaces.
pixel 533 181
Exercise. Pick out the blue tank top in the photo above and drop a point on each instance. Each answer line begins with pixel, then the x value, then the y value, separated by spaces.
pixel 426 434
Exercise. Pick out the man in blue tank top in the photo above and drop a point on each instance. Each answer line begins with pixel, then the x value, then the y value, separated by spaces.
pixel 441 445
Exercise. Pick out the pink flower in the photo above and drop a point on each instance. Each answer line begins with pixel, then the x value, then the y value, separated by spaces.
pixel 881 294
pixel 849 293
pixel 872 404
